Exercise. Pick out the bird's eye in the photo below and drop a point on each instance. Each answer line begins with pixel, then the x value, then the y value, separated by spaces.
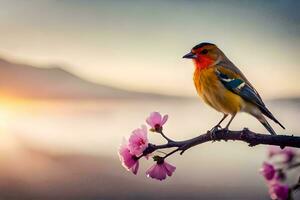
pixel 204 51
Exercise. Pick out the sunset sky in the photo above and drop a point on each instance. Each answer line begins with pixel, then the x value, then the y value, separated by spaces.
pixel 139 44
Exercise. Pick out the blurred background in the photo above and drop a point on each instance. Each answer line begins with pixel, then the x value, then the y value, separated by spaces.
pixel 77 76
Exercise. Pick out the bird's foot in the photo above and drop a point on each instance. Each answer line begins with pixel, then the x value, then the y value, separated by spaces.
pixel 225 131
pixel 213 132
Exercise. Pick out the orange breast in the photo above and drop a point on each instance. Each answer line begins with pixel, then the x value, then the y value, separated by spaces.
pixel 214 93
pixel 197 81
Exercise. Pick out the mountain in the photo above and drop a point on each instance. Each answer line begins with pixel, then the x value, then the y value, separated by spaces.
pixel 26 81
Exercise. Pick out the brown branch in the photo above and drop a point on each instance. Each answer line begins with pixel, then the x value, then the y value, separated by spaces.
pixel 244 135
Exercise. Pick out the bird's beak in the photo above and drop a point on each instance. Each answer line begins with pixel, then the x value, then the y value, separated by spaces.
pixel 190 56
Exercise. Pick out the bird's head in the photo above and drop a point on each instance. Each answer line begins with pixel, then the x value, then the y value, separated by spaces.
pixel 205 55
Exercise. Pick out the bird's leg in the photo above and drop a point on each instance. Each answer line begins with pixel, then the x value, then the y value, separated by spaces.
pixel 223 118
pixel 226 130
pixel 227 126
pixel 216 127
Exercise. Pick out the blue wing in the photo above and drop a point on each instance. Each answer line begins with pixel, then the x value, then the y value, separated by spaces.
pixel 244 90
pixel 240 87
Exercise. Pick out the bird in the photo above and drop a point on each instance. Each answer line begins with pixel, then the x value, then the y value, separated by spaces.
pixel 225 88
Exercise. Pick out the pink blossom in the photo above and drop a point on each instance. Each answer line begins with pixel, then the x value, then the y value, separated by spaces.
pixel 289 154
pixel 156 121
pixel 278 191
pixel 273 150
pixel 160 171
pixel 129 161
pixel 138 141
pixel 268 171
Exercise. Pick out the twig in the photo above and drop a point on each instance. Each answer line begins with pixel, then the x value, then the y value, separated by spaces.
pixel 244 135
pixel 164 136
pixel 294 165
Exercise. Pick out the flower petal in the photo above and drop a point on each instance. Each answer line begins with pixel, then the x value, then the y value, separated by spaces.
pixel 157 171
pixel 273 150
pixel 153 119
pixel 138 141
pixel 169 168
pixel 289 154
pixel 135 168
pixel 279 191
pixel 126 158
pixel 160 173
pixel 268 171
pixel 156 117
pixel 164 120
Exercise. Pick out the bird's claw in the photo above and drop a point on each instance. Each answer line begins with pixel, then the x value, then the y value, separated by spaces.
pixel 225 132
pixel 215 128
pixel 213 131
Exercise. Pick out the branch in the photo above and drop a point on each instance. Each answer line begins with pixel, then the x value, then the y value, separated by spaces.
pixel 244 135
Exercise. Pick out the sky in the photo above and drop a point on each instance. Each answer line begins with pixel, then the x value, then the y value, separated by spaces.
pixel 139 45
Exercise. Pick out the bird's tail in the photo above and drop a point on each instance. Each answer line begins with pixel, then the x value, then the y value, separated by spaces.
pixel 266 112
pixel 266 124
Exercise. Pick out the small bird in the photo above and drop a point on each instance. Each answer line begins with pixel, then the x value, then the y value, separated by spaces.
pixel 224 87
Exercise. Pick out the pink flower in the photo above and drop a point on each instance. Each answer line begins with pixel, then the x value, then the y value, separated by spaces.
pixel 156 121
pixel 273 150
pixel 268 171
pixel 138 141
pixel 129 161
pixel 289 154
pixel 160 171
pixel 279 191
